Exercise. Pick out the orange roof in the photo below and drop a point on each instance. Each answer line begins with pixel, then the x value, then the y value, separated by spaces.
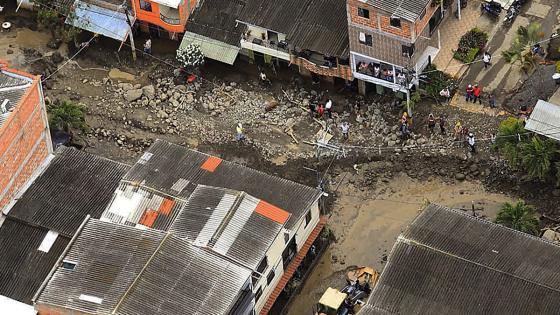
pixel 166 206
pixel 148 218
pixel 272 212
pixel 211 163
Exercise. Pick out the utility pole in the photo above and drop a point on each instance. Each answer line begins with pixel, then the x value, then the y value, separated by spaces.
pixel 130 33
pixel 459 9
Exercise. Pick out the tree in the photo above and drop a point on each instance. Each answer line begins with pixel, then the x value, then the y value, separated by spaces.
pixel 510 134
pixel 519 216
pixel 537 156
pixel 65 115
pixel 521 44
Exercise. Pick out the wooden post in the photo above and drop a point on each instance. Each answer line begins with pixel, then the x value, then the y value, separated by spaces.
pixel 130 35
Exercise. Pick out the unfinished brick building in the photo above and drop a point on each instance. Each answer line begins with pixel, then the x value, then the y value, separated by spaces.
pixel 25 141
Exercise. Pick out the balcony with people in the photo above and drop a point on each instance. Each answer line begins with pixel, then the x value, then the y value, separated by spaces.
pixel 381 73
pixel 266 42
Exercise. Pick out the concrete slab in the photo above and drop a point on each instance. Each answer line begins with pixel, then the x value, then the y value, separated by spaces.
pixel 555 98
pixel 539 10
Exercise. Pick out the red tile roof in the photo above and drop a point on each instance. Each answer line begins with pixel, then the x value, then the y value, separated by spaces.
pixel 211 163
pixel 272 212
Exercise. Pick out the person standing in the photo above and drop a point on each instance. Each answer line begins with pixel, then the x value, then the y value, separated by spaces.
pixel 239 136
pixel 492 100
pixel 469 93
pixel 431 123
pixel 487 58
pixel 148 47
pixel 446 94
pixel 457 131
pixel 328 107
pixel 471 142
pixel 441 122
pixel 476 94
pixel 345 126
pixel 320 111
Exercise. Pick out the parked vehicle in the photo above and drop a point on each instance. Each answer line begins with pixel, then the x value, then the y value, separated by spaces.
pixel 513 12
pixel 351 298
pixel 493 8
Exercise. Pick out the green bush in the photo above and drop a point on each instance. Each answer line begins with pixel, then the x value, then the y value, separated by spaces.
pixel 470 45
pixel 557 66
pixel 66 115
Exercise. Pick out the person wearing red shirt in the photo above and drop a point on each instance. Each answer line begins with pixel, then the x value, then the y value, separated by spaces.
pixel 469 95
pixel 476 93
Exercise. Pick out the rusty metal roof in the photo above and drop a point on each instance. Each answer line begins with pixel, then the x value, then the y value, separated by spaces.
pixel 449 262
pixel 165 164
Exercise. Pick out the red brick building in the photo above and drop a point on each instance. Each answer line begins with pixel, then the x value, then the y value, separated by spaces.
pixel 25 141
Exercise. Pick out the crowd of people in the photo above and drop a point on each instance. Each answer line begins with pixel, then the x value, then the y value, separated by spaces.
pixel 386 74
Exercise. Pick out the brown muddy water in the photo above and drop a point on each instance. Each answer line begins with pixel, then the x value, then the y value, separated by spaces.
pixel 367 223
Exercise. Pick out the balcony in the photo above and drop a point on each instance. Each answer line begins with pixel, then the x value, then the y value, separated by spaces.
pixel 272 48
pixel 169 15
pixel 325 69
pixel 381 73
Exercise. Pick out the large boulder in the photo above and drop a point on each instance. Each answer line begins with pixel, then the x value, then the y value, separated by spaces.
pixel 133 95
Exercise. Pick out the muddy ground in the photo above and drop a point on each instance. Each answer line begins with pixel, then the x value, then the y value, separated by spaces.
pixel 375 189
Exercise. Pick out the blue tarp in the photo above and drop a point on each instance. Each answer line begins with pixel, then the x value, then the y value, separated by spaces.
pixel 99 20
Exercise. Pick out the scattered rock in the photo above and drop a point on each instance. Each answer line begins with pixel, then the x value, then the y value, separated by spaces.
pixel 149 91
pixel 133 95
pixel 460 176
pixel 556 192
pixel 54 43
pixel 9 51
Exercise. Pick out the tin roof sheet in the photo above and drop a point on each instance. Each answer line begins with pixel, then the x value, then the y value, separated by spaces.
pixel 169 162
pixel 74 185
pixel 545 120
pixel 100 20
pixel 23 267
pixel 449 262
pixel 212 48
pixel 12 89
pixel 124 270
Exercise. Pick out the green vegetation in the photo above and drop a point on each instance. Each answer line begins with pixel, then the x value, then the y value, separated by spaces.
pixel 533 154
pixel 519 216
pixel 470 45
pixel 53 16
pixel 520 49
pixel 65 115
pixel 435 82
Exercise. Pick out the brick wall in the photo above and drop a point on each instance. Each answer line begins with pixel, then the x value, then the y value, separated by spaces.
pixel 423 23
pixel 404 31
pixel 352 8
pixel 24 142
pixel 384 48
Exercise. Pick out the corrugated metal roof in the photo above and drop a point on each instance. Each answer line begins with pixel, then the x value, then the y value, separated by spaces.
pixel 12 88
pixel 131 204
pixel 132 271
pixel 100 20
pixel 216 19
pixel 171 162
pixel 74 185
pixel 407 9
pixel 212 48
pixel 23 267
pixel 183 279
pixel 108 257
pixel 226 222
pixel 448 262
pixel 316 25
pixel 545 120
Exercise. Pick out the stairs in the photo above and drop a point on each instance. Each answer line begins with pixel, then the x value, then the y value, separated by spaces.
pixel 294 264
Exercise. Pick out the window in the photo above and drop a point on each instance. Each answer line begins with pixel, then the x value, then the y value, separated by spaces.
pixel 262 265
pixel 146 6
pixel 286 237
pixel 258 294
pixel 307 218
pixel 363 13
pixel 270 277
pixel 408 51
pixel 365 39
pixel 68 265
pixel 395 22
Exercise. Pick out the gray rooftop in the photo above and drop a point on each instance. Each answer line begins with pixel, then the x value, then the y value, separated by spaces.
pixel 448 262
pixel 407 9
pixel 545 120
pixel 227 222
pixel 12 89
pixel 125 270
pixel 176 171
pixel 74 185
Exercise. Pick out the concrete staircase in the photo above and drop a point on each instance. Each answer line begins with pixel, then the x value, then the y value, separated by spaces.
pixel 294 264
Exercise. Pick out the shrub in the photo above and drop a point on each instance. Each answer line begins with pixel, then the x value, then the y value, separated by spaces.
pixel 470 45
pixel 519 216
pixel 510 133
pixel 557 66
pixel 65 115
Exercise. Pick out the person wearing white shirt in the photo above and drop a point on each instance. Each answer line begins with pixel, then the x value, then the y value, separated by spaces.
pixel 328 107
pixel 470 139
